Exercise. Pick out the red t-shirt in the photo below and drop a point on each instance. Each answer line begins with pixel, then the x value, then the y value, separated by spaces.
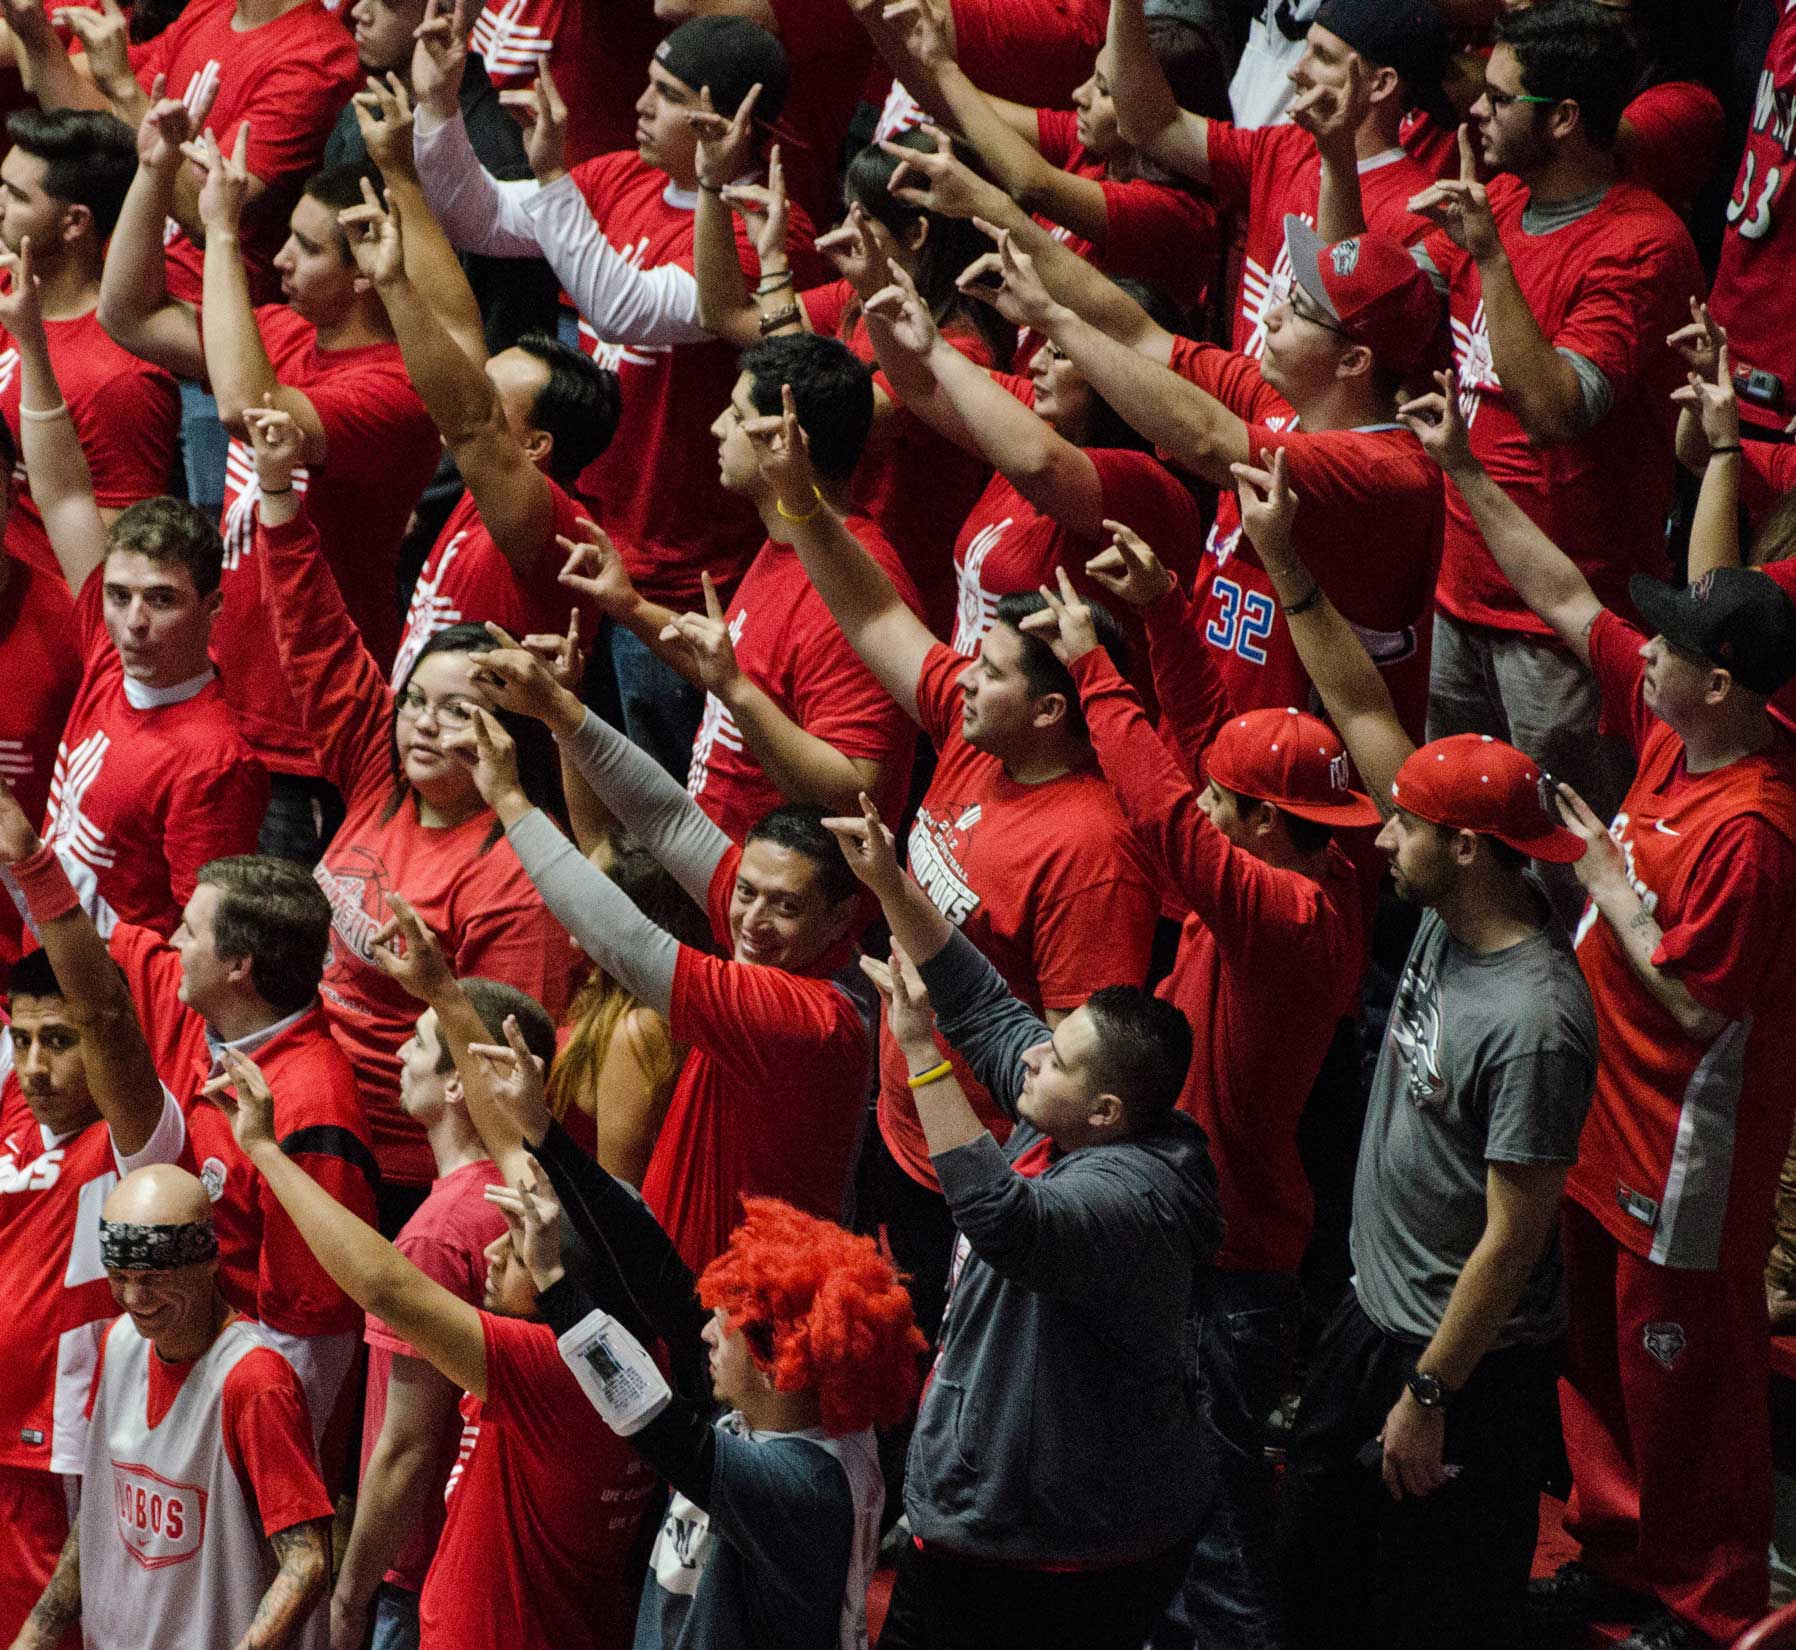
pixel 667 534
pixel 543 1508
pixel 829 60
pixel 265 1268
pixel 125 412
pixel 770 1100
pixel 515 38
pixel 38 657
pixel 466 579
pixel 1154 232
pixel 1007 547
pixel 1345 478
pixel 51 1189
pixel 288 79
pixel 1677 128
pixel 600 58
pixel 1033 52
pixel 915 483
pixel 380 450
pixel 1753 296
pixel 1681 1150
pixel 1263 174
pixel 1045 879
pixel 446 1240
pixel 1609 287
pixel 1253 929
pixel 145 793
pixel 476 898
pixel 789 645
pixel 267 1432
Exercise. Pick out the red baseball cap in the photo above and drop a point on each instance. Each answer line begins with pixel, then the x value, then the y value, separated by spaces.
pixel 1472 782
pixel 1292 760
pixel 1372 289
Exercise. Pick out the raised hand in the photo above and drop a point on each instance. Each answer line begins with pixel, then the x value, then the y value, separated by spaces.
pixel 783 453
pixel 491 755
pixel 1130 569
pixel 406 951
pixel 938 181
pixel 901 308
pixel 1268 506
pixel 1065 623
pixel 242 1093
pixel 1461 206
pixel 18 840
pixel 596 569
pixel 21 307
pixel 534 1219
pixel 765 209
pixel 227 179
pixel 1700 342
pixel 545 137
pixel 1019 295
pixel 520 680
pixel 1440 426
pixel 276 442
pixel 858 251
pixel 376 237
pixel 1332 115
pixel 29 21
pixel 726 145
pixel 515 1076
pixel 925 32
pixel 441 56
pixel 383 115
pixel 705 640
pixel 106 35
pixel 563 656
pixel 1711 399
pixel 870 849
pixel 1602 860
pixel 910 1016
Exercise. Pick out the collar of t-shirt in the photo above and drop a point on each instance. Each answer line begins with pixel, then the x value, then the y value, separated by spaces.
pixel 1384 157
pixel 253 1040
pixel 140 697
pixel 1543 219
pixel 167 1379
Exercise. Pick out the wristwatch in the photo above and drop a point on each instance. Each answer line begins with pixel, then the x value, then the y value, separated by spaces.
pixel 1428 1390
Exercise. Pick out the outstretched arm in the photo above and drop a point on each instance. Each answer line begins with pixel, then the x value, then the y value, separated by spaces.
pixel 1544 577
pixel 1353 693
pixel 440 1325
pixel 1147 113
pixel 1715 528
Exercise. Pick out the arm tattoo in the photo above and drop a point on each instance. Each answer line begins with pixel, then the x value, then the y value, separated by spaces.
pixel 59 1608
pixel 304 1558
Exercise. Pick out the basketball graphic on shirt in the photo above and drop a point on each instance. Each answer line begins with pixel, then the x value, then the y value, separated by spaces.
pixel 937 848
pixel 355 883
pixel 161 1523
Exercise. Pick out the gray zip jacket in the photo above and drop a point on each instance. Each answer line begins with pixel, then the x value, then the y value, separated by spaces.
pixel 1061 1421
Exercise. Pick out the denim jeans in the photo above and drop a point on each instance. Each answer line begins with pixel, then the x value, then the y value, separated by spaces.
pixel 395 1619
pixel 204 444
pixel 1245 1347
pixel 660 708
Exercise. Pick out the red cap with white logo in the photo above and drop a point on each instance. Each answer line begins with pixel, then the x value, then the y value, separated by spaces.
pixel 1373 290
pixel 1472 782
pixel 1292 760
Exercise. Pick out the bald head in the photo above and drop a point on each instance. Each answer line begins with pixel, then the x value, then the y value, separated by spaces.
pixel 160 1195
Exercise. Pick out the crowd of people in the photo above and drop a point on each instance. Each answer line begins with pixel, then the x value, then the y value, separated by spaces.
pixel 969 814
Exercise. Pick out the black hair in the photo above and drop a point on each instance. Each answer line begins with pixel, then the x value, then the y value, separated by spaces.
pixel 539 768
pixel 33 976
pixel 1505 857
pixel 950 245
pixel 1041 669
pixel 1307 835
pixel 339 188
pixel 832 390
pixel 150 17
pixel 89 155
pixel 1677 41
pixel 1143 1051
pixel 801 829
pixel 1108 427
pixel 493 1000
pixel 1574 51
pixel 171 530
pixel 578 406
pixel 1195 62
pixel 271 911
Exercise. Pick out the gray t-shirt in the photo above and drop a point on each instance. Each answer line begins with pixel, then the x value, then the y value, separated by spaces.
pixel 1487 1058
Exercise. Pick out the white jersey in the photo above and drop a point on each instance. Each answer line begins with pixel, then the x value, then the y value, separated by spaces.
pixel 172 1552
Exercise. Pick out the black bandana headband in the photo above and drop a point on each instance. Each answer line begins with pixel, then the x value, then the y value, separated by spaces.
pixel 128 1247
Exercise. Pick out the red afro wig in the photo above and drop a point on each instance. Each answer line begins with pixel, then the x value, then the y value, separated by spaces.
pixel 822 1309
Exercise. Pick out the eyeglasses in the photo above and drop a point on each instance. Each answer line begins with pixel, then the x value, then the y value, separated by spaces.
pixel 1303 312
pixel 452 713
pixel 1500 101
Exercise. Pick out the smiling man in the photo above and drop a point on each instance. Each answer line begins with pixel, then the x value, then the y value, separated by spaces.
pixel 772 1097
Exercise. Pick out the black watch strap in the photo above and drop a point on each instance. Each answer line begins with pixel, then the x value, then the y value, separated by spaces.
pixel 1427 1389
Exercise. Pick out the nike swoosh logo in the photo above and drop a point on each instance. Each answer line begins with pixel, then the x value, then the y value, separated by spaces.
pixel 1660 825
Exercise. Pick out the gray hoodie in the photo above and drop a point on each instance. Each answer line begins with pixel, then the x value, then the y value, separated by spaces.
pixel 1061 1420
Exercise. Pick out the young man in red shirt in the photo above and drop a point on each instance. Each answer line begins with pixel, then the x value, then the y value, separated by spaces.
pixel 618 229
pixel 1689 946
pixel 1564 281
pixel 153 777
pixel 326 357
pixel 57 1163
pixel 62 184
pixel 1018 840
pixel 412 1421
pixel 791 715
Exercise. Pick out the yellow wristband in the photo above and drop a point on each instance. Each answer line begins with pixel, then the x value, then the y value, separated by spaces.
pixel 816 494
pixel 934 1075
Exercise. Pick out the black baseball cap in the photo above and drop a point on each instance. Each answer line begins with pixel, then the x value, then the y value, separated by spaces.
pixel 728 54
pixel 1409 36
pixel 1734 617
